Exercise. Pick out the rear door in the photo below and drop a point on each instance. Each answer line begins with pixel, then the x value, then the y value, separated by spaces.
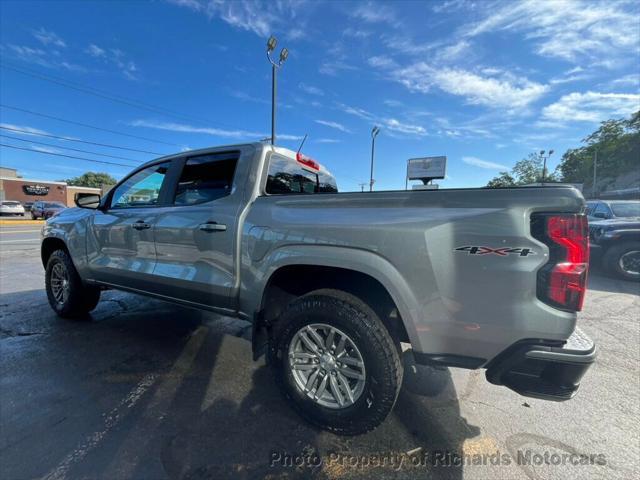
pixel 121 248
pixel 196 234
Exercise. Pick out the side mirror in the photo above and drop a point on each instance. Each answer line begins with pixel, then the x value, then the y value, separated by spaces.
pixel 600 215
pixel 87 200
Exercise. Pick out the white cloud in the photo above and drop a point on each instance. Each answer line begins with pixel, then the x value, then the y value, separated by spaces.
pixel 44 149
pixel 218 132
pixel 252 15
pixel 24 130
pixel 632 80
pixel 375 12
pixel 48 38
pixel 567 29
pixel 327 140
pixel 95 51
pixel 591 107
pixel 501 90
pixel 382 61
pixel 358 112
pixel 476 162
pixel 336 125
pixel 310 89
pixel 38 56
pixel 115 57
pixel 395 126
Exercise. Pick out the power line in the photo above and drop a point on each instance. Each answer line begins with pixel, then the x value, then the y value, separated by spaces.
pixel 69 139
pixel 31 112
pixel 39 170
pixel 66 148
pixel 67 156
pixel 112 97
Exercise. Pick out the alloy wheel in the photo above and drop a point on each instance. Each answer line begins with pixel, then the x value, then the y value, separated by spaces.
pixel 327 365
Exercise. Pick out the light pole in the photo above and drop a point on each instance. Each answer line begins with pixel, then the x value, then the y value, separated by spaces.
pixel 284 53
pixel 544 164
pixel 374 133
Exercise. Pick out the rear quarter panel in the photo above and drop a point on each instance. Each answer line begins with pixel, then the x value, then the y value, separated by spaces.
pixel 451 302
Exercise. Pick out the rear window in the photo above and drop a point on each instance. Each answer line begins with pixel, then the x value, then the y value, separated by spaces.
pixel 206 178
pixel 286 176
pixel 54 205
pixel 626 209
pixel 10 204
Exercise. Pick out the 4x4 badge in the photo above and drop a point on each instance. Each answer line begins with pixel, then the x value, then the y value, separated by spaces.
pixel 502 251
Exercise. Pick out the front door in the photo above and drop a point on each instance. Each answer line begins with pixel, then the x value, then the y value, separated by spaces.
pixel 196 235
pixel 121 248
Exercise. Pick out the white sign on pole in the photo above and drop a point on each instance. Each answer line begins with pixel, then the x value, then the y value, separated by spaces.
pixel 426 167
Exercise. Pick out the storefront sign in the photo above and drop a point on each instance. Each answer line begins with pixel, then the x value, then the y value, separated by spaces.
pixel 39 190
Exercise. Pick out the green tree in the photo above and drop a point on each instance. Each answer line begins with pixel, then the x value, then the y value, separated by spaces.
pixel 615 144
pixel 524 172
pixel 92 179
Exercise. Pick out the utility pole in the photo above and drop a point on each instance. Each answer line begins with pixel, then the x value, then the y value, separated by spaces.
pixel 374 133
pixel 284 53
pixel 595 171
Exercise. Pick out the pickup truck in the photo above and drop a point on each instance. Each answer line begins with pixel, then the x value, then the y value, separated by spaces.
pixel 334 283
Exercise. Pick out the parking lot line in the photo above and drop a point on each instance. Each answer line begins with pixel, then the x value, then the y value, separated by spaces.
pixel 21 240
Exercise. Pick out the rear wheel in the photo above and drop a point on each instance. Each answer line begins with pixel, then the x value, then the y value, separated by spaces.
pixel 623 260
pixel 67 295
pixel 336 362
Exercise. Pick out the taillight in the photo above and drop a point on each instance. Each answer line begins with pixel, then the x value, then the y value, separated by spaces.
pixel 562 281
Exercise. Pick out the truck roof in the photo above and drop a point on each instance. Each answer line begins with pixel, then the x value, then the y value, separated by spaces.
pixel 202 151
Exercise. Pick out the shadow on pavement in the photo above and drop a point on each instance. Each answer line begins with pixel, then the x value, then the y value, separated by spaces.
pixel 212 412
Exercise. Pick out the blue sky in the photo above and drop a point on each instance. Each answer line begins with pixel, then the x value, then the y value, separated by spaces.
pixel 482 82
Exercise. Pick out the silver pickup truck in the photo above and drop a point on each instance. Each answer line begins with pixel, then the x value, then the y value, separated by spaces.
pixel 335 282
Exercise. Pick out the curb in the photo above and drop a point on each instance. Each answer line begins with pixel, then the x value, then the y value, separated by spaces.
pixel 21 222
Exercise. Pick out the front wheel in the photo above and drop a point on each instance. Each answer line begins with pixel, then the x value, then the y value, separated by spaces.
pixel 623 260
pixel 67 294
pixel 336 362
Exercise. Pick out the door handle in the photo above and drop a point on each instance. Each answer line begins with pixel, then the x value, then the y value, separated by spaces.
pixel 140 225
pixel 212 227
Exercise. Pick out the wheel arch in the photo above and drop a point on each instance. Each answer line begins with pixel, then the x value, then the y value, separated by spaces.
pixel 359 273
pixel 50 245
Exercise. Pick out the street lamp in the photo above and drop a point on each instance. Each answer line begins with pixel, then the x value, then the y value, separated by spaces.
pixel 284 53
pixel 544 164
pixel 374 133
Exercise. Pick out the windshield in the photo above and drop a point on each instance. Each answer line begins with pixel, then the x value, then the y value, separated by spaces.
pixel 631 209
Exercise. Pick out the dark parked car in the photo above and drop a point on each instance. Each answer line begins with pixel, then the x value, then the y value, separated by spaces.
pixel 46 209
pixel 614 230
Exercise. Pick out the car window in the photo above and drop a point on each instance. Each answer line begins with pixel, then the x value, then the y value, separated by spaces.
pixel 285 176
pixel 206 178
pixel 141 189
pixel 12 204
pixel 53 205
pixel 602 208
pixel 590 208
pixel 626 209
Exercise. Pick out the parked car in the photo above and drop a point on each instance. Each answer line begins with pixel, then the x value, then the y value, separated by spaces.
pixel 11 207
pixel 27 206
pixel 614 228
pixel 46 209
pixel 335 282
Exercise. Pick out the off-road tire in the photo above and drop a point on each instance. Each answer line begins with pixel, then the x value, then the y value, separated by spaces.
pixel 611 260
pixel 81 298
pixel 383 367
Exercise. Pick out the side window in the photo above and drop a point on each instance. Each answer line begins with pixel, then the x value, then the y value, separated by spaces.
pixel 286 176
pixel 602 208
pixel 589 208
pixel 206 178
pixel 141 189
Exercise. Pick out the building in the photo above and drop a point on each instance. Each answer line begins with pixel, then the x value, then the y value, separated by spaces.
pixel 25 190
pixel 8 172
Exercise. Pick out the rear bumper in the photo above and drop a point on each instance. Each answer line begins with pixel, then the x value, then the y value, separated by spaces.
pixel 550 372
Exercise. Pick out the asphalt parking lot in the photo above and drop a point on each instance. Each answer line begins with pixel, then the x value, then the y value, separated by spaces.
pixel 148 390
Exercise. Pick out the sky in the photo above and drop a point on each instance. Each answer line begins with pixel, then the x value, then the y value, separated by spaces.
pixel 484 83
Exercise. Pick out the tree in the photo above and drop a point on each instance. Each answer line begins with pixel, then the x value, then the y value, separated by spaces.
pixel 616 144
pixel 92 179
pixel 524 172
